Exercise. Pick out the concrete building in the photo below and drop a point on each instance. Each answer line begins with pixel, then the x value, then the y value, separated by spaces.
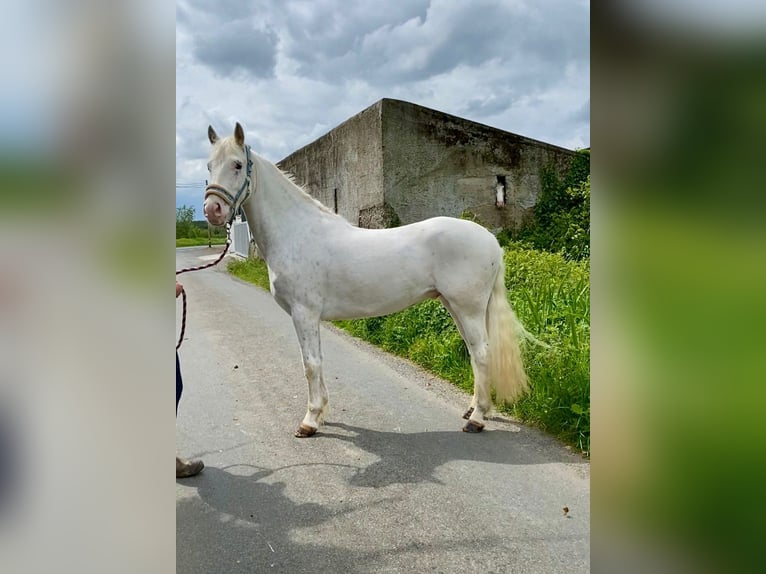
pixel 398 162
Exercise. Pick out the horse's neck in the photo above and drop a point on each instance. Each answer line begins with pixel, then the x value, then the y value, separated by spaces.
pixel 278 209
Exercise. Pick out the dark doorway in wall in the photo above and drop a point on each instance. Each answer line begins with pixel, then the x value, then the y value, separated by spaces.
pixel 335 200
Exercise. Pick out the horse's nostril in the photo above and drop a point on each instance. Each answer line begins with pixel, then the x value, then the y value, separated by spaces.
pixel 212 208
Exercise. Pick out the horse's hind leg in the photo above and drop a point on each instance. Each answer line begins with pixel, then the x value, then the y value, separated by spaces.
pixel 472 326
pixel 307 328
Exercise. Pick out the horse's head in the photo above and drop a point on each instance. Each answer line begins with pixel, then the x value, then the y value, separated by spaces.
pixel 230 168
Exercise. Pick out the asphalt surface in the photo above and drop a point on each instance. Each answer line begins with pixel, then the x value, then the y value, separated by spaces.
pixel 389 484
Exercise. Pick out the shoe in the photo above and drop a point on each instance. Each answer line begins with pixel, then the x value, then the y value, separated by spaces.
pixel 187 468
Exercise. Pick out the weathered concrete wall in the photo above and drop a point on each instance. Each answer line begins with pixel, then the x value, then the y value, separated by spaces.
pixel 437 164
pixel 345 168
pixel 398 162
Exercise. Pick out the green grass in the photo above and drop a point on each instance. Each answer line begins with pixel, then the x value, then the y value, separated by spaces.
pixel 551 296
pixel 196 241
pixel 252 270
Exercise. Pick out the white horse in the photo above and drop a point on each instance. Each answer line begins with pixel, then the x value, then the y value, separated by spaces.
pixel 322 267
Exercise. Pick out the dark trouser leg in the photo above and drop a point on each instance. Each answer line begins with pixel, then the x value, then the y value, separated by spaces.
pixel 184 468
pixel 179 383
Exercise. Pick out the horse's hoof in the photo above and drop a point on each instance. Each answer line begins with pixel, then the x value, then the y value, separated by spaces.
pixel 473 426
pixel 467 414
pixel 305 431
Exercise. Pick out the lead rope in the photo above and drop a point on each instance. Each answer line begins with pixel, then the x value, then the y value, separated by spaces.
pixel 183 319
pixel 199 268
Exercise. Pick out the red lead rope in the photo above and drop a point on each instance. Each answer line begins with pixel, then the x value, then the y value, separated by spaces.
pixel 199 268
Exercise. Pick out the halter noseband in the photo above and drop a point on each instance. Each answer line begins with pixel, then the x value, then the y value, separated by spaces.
pixel 233 201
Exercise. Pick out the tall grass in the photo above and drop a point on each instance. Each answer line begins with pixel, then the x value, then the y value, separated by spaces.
pixel 550 295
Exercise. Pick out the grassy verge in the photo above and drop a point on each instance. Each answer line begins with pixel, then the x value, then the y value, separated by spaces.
pixel 197 241
pixel 551 296
pixel 252 270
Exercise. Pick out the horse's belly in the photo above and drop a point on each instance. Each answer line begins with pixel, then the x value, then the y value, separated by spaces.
pixel 373 302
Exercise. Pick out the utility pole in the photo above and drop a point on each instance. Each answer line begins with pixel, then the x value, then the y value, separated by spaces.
pixel 209 240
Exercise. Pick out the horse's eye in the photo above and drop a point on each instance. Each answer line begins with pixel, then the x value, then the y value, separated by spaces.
pixel 237 165
pixel 208 166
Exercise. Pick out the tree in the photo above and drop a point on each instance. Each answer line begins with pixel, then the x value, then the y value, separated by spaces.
pixel 185 222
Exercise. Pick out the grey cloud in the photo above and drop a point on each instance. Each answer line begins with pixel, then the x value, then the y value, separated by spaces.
pixel 237 47
pixel 489 106
pixel 182 16
pixel 583 114
pixel 341 56
pixel 229 37
pixel 193 144
pixel 333 41
pixel 326 42
pixel 227 10
pixel 536 39
pixel 536 46
pixel 191 129
pixel 475 36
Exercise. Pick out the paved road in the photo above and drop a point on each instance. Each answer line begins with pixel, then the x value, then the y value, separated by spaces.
pixel 390 484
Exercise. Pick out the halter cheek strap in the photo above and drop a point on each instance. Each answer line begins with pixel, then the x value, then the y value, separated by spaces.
pixel 234 201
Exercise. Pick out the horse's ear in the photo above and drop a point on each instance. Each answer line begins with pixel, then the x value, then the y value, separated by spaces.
pixel 212 136
pixel 239 135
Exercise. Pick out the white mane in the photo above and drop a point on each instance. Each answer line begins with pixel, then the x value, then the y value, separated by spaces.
pixel 302 188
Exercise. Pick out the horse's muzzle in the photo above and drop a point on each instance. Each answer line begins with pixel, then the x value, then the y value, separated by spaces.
pixel 214 211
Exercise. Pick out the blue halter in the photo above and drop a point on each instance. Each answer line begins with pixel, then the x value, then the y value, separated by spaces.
pixel 234 201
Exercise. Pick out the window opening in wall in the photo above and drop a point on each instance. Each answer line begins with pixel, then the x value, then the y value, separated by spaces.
pixel 500 192
pixel 335 200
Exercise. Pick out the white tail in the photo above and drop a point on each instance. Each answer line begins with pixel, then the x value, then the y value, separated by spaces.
pixel 506 369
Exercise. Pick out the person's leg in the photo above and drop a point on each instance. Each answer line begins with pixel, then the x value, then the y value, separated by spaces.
pixel 179 383
pixel 184 468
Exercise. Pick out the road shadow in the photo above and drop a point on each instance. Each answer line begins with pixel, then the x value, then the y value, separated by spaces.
pixel 242 524
pixel 413 457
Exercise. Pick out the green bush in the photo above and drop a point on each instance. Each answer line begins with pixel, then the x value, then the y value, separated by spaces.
pixel 562 214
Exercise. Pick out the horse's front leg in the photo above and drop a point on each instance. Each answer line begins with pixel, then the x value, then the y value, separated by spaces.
pixel 306 325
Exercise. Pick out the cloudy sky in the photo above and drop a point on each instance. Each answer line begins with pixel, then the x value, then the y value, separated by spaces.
pixel 291 70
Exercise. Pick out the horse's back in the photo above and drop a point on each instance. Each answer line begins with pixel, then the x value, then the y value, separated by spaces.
pixel 372 272
pixel 458 232
pixel 434 241
pixel 449 243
